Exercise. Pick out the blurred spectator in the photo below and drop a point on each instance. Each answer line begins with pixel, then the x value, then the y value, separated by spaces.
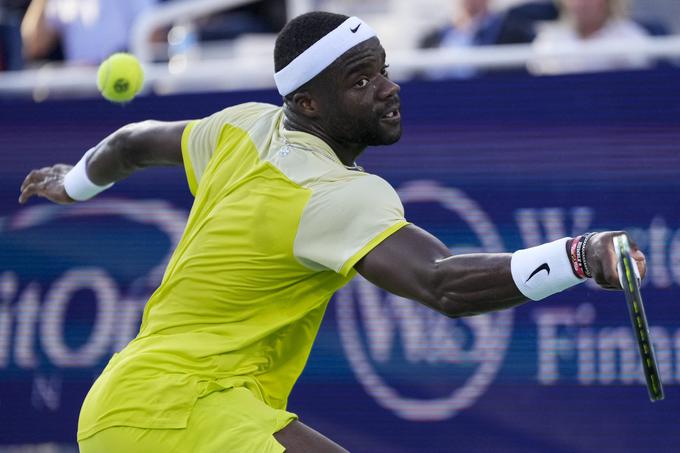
pixel 89 30
pixel 475 24
pixel 585 24
pixel 478 25
pixel 519 24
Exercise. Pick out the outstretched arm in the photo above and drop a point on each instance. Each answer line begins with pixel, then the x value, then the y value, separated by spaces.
pixel 130 148
pixel 414 264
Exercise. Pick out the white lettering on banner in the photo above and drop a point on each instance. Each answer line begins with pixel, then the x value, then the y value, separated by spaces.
pixel 613 341
pixel 26 322
pixel 603 355
pixel 663 348
pixel 551 220
pixel 476 344
pixel 54 314
pixel 552 346
pixel 26 312
pixel 426 336
pixel 659 275
pixel 28 309
pixel 9 284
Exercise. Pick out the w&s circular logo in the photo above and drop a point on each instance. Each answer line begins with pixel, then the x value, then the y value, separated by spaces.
pixel 418 364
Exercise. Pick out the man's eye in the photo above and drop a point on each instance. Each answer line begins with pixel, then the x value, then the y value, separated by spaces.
pixel 361 83
pixel 385 71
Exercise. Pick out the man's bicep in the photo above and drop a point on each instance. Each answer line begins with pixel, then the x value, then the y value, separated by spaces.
pixel 404 263
pixel 157 143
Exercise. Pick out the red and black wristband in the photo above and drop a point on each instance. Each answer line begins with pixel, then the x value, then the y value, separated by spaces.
pixel 576 250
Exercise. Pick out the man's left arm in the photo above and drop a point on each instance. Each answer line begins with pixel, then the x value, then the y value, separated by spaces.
pixel 414 264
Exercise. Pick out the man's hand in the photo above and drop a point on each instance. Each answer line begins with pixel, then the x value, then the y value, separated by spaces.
pixel 602 259
pixel 48 182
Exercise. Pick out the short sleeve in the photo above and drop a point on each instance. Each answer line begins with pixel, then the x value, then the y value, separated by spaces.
pixel 202 137
pixel 199 141
pixel 343 221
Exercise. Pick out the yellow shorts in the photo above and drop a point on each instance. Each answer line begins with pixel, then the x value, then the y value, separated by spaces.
pixel 232 420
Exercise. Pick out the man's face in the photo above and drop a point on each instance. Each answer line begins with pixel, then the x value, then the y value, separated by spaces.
pixel 475 7
pixel 357 100
pixel 587 11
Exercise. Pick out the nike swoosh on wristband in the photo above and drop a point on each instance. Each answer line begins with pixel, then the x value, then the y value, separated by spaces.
pixel 354 30
pixel 542 267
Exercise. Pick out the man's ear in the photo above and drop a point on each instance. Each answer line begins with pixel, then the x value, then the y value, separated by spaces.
pixel 305 104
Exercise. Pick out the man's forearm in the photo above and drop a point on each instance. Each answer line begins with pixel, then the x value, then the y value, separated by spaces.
pixel 476 283
pixel 472 284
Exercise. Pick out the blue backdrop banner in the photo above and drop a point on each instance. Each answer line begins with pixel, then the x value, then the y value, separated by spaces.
pixel 487 165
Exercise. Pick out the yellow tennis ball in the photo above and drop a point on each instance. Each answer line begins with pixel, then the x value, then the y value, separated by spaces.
pixel 120 77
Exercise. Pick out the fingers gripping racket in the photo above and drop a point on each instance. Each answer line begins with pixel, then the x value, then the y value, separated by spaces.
pixel 630 278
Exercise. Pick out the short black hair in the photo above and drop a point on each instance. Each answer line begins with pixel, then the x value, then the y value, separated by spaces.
pixel 300 33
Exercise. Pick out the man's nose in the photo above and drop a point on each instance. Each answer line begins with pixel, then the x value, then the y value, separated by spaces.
pixel 389 88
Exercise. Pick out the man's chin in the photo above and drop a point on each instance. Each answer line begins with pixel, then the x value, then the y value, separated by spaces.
pixel 391 137
pixel 383 136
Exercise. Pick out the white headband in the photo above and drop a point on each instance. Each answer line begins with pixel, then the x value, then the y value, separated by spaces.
pixel 321 54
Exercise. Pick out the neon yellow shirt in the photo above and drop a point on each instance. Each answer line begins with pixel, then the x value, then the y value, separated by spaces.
pixel 275 229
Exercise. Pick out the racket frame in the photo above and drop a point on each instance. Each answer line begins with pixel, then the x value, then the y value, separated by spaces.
pixel 630 281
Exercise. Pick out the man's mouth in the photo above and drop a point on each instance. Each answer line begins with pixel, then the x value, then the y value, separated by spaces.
pixel 392 114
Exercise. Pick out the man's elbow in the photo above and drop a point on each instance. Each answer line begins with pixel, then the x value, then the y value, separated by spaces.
pixel 126 141
pixel 451 305
pixel 442 298
pixel 434 292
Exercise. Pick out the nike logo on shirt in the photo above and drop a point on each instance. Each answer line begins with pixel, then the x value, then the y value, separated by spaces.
pixel 542 267
pixel 354 30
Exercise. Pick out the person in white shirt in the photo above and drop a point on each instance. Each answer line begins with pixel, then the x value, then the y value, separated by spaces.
pixel 89 30
pixel 587 24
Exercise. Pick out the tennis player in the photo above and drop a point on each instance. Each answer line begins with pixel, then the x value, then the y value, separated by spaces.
pixel 282 218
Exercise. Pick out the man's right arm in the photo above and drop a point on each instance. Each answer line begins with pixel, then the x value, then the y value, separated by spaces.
pixel 136 146
pixel 130 148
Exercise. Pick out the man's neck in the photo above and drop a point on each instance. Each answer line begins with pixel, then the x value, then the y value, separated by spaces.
pixel 346 152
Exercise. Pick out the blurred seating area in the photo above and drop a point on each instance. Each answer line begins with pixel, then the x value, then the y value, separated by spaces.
pixel 85 32
pixel 183 34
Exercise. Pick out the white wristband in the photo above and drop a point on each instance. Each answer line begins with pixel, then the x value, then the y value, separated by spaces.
pixel 541 271
pixel 77 184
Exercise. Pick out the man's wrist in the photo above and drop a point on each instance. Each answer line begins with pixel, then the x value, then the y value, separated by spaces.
pixel 78 185
pixel 576 251
pixel 541 271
